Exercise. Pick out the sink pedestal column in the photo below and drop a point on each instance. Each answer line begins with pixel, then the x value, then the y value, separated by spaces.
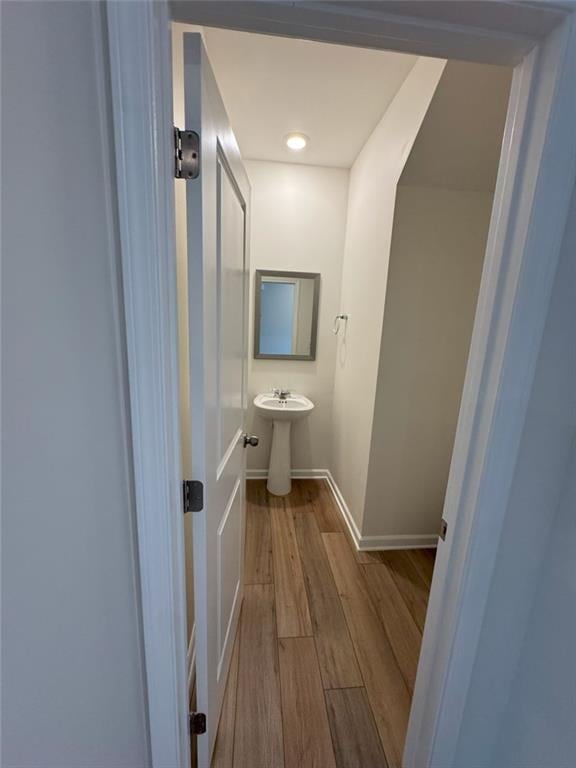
pixel 279 472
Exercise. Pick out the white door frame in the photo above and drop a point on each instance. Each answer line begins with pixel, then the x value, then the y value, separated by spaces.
pixel 536 176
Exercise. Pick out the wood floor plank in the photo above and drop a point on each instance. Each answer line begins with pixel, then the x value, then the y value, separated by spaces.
pixel 298 498
pixel 423 563
pixel 387 691
pixel 365 611
pixel 354 734
pixel 258 738
pixel 292 613
pixel 411 584
pixel 315 496
pixel 307 742
pixel 258 550
pixel 224 747
pixel 256 492
pixel 310 495
pixel 367 556
pixel 403 632
pixel 336 657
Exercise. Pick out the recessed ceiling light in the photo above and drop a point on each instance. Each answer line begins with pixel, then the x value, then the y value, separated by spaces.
pixel 296 141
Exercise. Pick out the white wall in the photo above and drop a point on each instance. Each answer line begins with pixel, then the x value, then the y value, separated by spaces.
pixel 538 724
pixel 519 709
pixel 73 690
pixel 373 180
pixel 429 275
pixel 297 223
pixel 436 258
pixel 458 145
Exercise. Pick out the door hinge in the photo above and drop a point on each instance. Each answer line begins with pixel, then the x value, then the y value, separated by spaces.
pixel 193 495
pixel 186 154
pixel 197 722
pixel 443 529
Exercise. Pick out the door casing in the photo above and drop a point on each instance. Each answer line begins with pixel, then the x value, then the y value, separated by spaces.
pixel 536 175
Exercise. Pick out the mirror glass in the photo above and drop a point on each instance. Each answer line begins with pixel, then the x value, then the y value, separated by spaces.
pixel 286 314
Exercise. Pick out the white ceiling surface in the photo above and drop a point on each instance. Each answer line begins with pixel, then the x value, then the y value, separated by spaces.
pixel 459 141
pixel 273 85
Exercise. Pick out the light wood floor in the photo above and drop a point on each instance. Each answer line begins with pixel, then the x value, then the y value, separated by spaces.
pixel 325 658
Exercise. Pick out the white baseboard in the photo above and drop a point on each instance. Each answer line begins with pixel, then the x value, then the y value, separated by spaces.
pixel 297 474
pixel 191 660
pixel 344 510
pixel 363 543
pixel 424 541
pixel 256 474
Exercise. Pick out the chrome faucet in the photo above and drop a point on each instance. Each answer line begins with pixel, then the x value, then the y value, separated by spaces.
pixel 281 394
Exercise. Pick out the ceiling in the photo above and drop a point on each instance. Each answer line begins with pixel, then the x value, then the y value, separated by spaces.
pixel 459 142
pixel 273 85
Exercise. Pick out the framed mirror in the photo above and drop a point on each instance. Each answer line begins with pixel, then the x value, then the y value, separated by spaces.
pixel 286 315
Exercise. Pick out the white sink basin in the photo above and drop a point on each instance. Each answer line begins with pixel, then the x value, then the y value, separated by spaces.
pixel 281 412
pixel 292 408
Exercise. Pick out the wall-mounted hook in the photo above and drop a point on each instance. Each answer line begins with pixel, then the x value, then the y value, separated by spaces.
pixel 337 320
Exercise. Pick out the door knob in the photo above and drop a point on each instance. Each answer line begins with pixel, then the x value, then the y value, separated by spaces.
pixel 250 440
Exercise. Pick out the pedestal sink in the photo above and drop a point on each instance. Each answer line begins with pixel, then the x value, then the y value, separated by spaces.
pixel 281 411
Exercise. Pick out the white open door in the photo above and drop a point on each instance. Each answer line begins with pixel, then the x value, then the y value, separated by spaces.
pixel 217 226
